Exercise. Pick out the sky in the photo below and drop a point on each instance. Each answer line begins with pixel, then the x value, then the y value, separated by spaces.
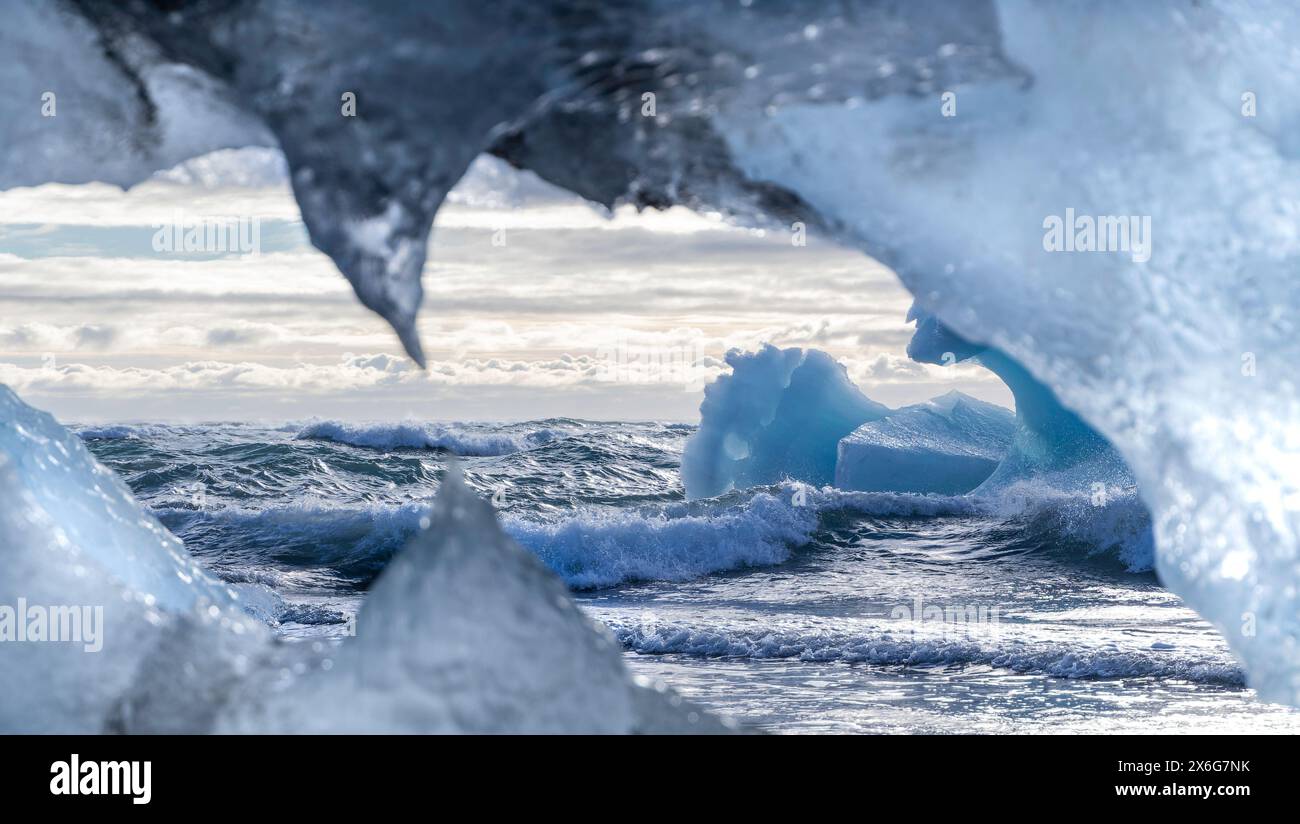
pixel 537 304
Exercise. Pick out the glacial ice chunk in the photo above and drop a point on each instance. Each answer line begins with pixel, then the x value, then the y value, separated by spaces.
pixel 373 145
pixel 947 445
pixel 95 511
pixel 72 538
pixel 779 414
pixel 1183 360
pixel 81 106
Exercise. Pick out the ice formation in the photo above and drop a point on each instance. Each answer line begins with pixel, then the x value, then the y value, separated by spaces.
pixel 73 536
pixel 463 631
pixel 779 414
pixel 793 414
pixel 1049 439
pixel 1057 469
pixel 948 445
pixel 1180 362
pixel 939 138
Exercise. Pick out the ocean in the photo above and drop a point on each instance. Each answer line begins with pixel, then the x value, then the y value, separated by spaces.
pixel 788 608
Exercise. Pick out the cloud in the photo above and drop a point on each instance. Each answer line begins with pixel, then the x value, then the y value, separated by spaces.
pixel 359 372
pixel 578 300
pixel 242 335
pixel 887 367
pixel 683 366
pixel 95 336
pixel 48 337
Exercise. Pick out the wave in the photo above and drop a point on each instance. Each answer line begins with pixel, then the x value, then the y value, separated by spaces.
pixel 602 547
pixel 591 549
pixel 156 431
pixel 886 648
pixel 116 432
pixel 355 541
pixel 765 526
pixel 457 440
pixel 588 550
pixel 682 541
pixel 265 604
pixel 1111 519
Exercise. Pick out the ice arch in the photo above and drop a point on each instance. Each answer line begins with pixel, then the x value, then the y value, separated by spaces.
pixel 1049 439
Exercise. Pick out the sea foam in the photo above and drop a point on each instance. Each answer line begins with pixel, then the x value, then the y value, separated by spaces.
pixel 456 439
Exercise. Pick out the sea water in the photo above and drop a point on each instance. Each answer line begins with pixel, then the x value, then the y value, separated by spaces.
pixel 789 608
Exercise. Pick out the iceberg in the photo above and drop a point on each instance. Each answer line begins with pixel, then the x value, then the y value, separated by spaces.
pixel 1042 466
pixel 948 445
pixel 794 415
pixel 779 414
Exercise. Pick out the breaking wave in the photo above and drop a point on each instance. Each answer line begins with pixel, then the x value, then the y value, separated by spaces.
pixel 458 440
pixel 600 547
pixel 885 648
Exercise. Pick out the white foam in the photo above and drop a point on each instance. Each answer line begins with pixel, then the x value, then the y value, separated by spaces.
pixel 458 440
pixel 113 432
pixel 892 646
pixel 601 548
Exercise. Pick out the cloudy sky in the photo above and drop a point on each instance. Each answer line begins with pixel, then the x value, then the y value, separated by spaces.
pixel 536 305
